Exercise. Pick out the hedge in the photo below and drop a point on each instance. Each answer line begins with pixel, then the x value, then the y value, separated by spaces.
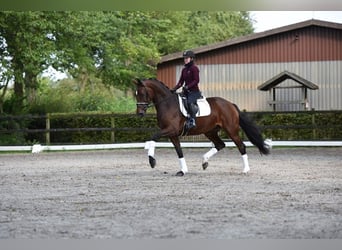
pixel 85 128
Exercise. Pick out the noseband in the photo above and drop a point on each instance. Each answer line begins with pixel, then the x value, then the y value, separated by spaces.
pixel 144 105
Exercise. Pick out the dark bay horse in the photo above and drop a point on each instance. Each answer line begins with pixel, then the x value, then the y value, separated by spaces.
pixel 224 115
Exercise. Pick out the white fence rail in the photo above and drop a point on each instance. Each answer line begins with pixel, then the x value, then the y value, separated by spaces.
pixel 39 148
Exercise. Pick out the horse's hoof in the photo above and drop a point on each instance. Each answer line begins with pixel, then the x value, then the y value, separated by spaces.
pixel 152 161
pixel 245 172
pixel 205 165
pixel 180 173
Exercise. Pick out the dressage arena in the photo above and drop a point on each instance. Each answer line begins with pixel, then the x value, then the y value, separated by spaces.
pixel 292 193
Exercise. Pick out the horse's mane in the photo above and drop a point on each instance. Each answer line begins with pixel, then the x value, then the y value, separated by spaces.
pixel 158 81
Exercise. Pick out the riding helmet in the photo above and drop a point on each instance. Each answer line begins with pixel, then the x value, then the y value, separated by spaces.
pixel 188 53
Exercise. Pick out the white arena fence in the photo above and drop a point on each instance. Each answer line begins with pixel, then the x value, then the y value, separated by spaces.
pixel 40 148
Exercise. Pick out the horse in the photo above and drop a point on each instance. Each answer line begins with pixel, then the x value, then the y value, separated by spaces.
pixel 224 115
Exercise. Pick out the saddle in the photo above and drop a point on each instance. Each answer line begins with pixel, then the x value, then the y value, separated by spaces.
pixel 202 103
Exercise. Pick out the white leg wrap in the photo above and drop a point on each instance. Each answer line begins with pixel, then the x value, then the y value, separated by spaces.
pixel 245 163
pixel 183 166
pixel 37 148
pixel 150 146
pixel 209 154
pixel 268 143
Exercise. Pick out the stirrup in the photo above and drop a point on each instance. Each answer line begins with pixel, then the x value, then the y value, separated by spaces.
pixel 191 123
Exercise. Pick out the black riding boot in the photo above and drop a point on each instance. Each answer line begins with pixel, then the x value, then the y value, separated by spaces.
pixel 192 112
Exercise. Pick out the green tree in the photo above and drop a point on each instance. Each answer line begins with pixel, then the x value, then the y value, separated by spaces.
pixel 111 47
pixel 180 30
pixel 209 27
pixel 26 46
pixel 127 49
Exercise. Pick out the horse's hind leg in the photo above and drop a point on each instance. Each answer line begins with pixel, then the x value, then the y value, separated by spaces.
pixel 233 133
pixel 242 149
pixel 218 145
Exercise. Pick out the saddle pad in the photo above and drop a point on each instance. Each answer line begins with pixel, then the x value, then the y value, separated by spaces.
pixel 203 107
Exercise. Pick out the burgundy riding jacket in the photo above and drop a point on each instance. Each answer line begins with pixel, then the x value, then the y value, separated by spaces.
pixel 189 75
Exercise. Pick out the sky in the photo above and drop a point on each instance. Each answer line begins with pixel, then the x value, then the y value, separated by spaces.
pixel 266 20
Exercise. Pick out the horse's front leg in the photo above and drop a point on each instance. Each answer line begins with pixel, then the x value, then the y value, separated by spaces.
pixel 183 167
pixel 151 145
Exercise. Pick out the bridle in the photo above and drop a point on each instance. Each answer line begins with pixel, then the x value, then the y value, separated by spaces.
pixel 145 105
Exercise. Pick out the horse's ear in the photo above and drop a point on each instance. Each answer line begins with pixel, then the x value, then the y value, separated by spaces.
pixel 137 81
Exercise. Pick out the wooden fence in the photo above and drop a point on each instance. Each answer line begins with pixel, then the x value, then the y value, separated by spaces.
pixel 43 128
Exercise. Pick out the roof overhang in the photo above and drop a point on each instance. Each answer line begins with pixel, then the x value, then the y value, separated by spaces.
pixel 284 76
pixel 238 40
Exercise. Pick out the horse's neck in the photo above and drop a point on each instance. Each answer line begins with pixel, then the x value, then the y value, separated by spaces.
pixel 160 93
pixel 162 97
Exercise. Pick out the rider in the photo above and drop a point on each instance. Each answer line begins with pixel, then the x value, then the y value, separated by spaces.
pixel 190 75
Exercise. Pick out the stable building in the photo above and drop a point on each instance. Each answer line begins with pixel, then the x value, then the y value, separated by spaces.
pixel 291 68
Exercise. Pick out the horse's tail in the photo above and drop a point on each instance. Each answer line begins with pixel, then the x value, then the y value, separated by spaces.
pixel 252 132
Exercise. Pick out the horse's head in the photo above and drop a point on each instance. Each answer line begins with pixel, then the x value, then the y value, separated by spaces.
pixel 148 91
pixel 142 96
